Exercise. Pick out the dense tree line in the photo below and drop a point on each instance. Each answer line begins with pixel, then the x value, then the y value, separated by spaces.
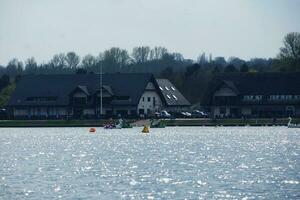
pixel 191 76
pixel 4 81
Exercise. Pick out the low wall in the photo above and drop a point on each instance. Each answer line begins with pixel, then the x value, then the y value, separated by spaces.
pixel 168 122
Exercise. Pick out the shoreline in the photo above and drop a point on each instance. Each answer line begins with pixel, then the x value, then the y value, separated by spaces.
pixel 168 122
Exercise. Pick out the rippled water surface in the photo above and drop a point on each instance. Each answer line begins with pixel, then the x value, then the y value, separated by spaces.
pixel 170 163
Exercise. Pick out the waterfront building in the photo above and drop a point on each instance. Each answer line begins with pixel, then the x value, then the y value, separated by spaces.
pixel 254 95
pixel 78 96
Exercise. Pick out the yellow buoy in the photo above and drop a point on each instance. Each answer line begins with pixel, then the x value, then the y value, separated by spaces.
pixel 145 129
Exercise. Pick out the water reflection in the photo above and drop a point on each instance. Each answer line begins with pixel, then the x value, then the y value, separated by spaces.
pixel 171 163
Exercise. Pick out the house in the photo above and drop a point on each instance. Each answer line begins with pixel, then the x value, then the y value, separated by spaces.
pixel 254 95
pixel 79 96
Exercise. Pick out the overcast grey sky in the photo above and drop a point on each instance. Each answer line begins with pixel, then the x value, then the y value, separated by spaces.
pixel 243 28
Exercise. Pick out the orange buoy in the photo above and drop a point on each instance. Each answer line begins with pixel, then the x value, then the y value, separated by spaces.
pixel 92 130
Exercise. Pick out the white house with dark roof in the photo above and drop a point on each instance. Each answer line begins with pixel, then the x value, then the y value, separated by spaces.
pixel 79 96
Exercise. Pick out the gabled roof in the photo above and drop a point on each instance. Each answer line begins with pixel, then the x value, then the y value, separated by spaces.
pixel 108 89
pixel 231 85
pixel 60 86
pixel 171 94
pixel 84 89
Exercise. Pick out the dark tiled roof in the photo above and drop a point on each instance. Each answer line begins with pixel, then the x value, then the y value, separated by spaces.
pixel 256 84
pixel 263 83
pixel 176 98
pixel 60 86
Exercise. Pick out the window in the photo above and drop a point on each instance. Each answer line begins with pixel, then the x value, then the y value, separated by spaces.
pixel 168 96
pixel 149 99
pixel 161 88
pixel 175 97
pixel 143 99
pixel 167 88
pixel 252 98
pixel 41 99
pixel 173 88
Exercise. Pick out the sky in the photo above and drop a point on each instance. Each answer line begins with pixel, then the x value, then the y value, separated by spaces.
pixel 241 28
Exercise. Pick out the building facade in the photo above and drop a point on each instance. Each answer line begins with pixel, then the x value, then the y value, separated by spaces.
pixel 82 96
pixel 255 95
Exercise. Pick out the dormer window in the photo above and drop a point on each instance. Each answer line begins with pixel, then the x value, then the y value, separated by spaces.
pixel 175 97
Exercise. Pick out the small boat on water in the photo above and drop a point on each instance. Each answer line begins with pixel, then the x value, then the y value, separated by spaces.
pixel 291 125
pixel 157 124
pixel 121 124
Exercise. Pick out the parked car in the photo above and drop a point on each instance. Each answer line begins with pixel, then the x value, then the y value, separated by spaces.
pixel 188 114
pixel 199 114
pixel 165 114
pixel 157 115
pixel 180 114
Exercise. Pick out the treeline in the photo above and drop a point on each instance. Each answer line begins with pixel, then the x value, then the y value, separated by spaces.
pixel 141 59
pixel 190 76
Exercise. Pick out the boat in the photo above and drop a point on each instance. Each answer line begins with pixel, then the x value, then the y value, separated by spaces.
pixel 157 124
pixel 121 124
pixel 291 125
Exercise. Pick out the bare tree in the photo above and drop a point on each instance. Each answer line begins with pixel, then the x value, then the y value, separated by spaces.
pixel 58 60
pixel 202 59
pixel 89 61
pixel 157 53
pixel 178 56
pixel 14 67
pixel 141 54
pixel 115 58
pixel 291 49
pixel 30 66
pixel 72 60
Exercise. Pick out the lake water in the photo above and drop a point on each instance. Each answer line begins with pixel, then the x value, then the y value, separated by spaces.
pixel 171 163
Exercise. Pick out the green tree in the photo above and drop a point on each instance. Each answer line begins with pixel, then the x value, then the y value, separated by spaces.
pixel 244 68
pixel 230 68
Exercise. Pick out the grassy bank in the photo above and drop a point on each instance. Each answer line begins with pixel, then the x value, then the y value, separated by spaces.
pixel 176 122
pixel 52 123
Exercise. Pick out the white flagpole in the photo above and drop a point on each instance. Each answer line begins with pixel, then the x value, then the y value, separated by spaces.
pixel 101 81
